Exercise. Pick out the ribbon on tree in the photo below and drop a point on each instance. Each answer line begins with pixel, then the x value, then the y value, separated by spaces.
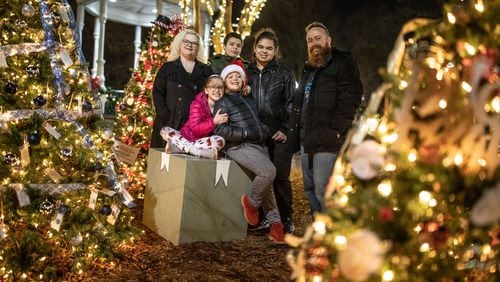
pixel 51 45
pixel 18 49
pixel 52 188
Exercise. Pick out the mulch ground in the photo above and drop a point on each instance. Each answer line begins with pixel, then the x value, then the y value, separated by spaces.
pixel 254 259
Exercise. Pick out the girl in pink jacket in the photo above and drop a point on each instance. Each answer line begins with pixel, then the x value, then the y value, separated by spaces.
pixel 194 137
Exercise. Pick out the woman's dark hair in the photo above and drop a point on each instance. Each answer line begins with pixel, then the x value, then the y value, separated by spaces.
pixel 232 35
pixel 267 33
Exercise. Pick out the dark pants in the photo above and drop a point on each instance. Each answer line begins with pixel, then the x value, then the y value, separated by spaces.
pixel 282 160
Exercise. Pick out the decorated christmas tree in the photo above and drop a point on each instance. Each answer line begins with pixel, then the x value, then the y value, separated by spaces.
pixel 135 113
pixel 415 192
pixel 61 201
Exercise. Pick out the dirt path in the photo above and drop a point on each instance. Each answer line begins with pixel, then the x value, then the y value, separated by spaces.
pixel 254 259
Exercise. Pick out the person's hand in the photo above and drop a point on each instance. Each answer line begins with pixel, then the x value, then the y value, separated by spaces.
pixel 279 137
pixel 220 118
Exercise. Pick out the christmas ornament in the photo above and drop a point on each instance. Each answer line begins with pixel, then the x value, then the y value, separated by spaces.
pixel 97 166
pixel 39 101
pixel 33 70
pixel 106 210
pixel 10 158
pixel 77 240
pixel 28 10
pixel 386 214
pixel 485 211
pixel 4 126
pixel 361 256
pixel 86 106
pixel 107 134
pixel 123 107
pixel 47 207
pixel 21 23
pixel 64 209
pixel 11 88
pixel 66 152
pixel 367 159
pixel 34 138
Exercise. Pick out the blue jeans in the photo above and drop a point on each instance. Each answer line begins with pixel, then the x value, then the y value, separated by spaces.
pixel 316 178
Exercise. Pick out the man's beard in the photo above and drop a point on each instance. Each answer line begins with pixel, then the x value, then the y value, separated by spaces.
pixel 318 59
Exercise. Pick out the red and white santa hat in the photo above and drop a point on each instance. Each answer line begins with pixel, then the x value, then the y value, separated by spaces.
pixel 235 66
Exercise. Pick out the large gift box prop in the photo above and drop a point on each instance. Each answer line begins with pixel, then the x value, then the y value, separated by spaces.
pixel 190 199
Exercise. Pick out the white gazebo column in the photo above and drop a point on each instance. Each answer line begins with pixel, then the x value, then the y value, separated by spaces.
pixel 80 18
pixel 95 55
pixel 159 7
pixel 103 11
pixel 137 45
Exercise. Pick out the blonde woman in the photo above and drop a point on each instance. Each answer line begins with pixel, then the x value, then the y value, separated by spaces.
pixel 177 83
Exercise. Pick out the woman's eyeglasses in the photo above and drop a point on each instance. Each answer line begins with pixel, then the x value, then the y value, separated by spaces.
pixel 219 88
pixel 190 43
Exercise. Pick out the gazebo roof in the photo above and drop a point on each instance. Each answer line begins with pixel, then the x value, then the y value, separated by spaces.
pixel 134 12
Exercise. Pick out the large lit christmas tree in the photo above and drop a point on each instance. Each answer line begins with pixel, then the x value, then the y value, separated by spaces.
pixel 415 192
pixel 61 201
pixel 135 113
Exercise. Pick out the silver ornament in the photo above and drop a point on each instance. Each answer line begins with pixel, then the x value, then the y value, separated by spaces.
pixel 28 10
pixel 107 134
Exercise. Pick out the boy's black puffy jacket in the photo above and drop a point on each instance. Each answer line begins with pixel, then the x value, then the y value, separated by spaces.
pixel 244 125
pixel 272 89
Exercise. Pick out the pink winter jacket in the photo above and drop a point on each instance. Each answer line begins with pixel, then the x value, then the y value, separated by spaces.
pixel 200 122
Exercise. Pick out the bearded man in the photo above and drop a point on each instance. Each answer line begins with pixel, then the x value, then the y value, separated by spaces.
pixel 323 110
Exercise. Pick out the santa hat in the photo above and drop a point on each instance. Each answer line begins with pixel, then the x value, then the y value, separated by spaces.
pixel 235 65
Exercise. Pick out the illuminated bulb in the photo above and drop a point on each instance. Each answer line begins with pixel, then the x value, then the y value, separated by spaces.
pixel 470 49
pixel 486 249
pixel 466 86
pixel 412 156
pixel 130 128
pixel 343 200
pixel 390 138
pixel 482 162
pixel 451 18
pixel 432 203
pixel 458 159
pixel 439 75
pixel 424 247
pixel 418 228
pixel 317 278
pixel 390 167
pixel 319 227
pixel 382 128
pixel 403 84
pixel 495 104
pixel 443 104
pixel 424 197
pixel 479 6
pixel 372 123
pixel 340 240
pixel 385 188
pixel 130 101
pixel 388 275
pixel 339 179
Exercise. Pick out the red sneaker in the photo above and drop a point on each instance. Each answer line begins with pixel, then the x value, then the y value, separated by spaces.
pixel 251 214
pixel 276 233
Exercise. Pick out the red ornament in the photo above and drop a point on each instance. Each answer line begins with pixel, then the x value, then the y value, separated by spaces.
pixel 429 153
pixel 386 214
